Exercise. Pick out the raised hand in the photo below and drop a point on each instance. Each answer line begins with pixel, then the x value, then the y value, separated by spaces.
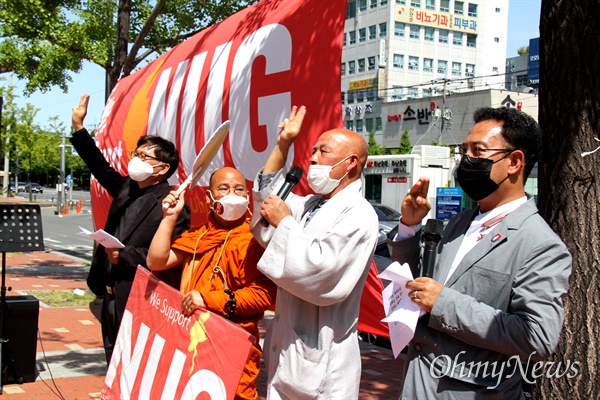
pixel 79 112
pixel 415 205
pixel 290 127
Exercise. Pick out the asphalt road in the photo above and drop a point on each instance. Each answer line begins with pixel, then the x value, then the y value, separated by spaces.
pixel 63 235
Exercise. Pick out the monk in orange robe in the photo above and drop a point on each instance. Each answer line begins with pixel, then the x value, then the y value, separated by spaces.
pixel 219 263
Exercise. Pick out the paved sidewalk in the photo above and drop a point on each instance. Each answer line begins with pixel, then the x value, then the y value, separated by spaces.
pixel 70 357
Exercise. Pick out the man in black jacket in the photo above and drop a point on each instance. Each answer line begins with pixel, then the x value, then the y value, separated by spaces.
pixel 133 217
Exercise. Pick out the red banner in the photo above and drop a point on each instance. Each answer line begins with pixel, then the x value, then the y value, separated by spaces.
pixel 371 306
pixel 161 354
pixel 250 69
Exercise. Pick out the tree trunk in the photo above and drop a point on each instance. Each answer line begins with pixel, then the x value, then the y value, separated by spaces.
pixel 568 186
pixel 121 44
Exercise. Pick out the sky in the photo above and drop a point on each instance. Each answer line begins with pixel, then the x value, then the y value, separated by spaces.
pixel 523 24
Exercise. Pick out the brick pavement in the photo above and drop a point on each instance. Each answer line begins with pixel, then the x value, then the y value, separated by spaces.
pixel 72 341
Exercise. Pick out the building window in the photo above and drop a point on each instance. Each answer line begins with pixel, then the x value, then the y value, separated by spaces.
pixel 443 36
pixel 457 38
pixel 370 94
pixel 497 10
pixel 427 92
pixel 430 4
pixel 495 69
pixel 383 2
pixel 445 6
pixel 350 125
pixel 351 9
pixel 398 61
pixel 399 28
pixel 369 124
pixel 383 29
pixel 497 39
pixel 427 65
pixel 361 65
pixel 372 32
pixel 413 63
pixel 371 63
pixel 414 31
pixel 456 66
pixel 429 34
pixel 360 96
pixel 413 93
pixel 397 93
pixel 362 5
pixel 373 4
pixel 344 38
pixel 352 37
pixel 378 126
pixel 343 70
pixel 359 125
pixel 351 67
pixel 470 71
pixel 442 67
pixel 350 97
pixel 459 7
pixel 400 1
pixel 472 10
pixel 415 3
pixel 343 95
pixel 471 40
pixel 362 34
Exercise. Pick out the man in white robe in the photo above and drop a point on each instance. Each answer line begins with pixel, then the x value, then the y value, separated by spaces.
pixel 320 261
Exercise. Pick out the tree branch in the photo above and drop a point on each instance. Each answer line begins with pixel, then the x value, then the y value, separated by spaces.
pixel 131 61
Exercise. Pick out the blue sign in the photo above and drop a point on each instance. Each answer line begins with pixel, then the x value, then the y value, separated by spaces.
pixel 447 202
pixel 68 180
pixel 533 63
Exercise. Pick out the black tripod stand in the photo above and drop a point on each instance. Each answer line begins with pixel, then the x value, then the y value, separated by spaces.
pixel 20 231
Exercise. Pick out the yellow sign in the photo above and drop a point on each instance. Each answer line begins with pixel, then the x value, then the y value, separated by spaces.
pixel 435 19
pixel 362 84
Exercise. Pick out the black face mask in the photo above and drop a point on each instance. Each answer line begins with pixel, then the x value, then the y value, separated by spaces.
pixel 474 177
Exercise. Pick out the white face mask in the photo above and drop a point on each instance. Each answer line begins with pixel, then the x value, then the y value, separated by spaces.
pixel 140 170
pixel 319 179
pixel 230 207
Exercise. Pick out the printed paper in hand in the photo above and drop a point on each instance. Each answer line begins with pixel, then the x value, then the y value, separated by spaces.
pixel 402 313
pixel 105 239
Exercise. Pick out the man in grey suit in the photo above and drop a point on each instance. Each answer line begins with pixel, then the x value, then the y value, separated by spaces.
pixel 494 306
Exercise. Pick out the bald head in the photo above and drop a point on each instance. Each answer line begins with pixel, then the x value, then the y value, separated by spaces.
pixel 350 142
pixel 226 174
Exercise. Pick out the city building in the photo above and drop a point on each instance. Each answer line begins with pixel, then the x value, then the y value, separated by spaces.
pixel 523 72
pixel 421 52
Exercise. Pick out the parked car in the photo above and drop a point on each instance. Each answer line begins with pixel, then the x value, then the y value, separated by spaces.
pixel 35 188
pixel 388 220
pixel 11 187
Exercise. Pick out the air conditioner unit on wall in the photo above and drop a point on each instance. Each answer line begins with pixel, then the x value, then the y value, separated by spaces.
pixel 433 156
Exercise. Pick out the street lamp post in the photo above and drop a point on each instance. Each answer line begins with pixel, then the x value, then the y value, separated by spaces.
pixel 17 170
pixel 61 179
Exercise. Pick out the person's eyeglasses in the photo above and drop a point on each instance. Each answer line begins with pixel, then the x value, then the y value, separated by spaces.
pixel 476 153
pixel 239 190
pixel 143 156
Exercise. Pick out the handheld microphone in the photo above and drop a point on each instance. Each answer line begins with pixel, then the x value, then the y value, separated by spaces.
pixel 291 179
pixel 431 236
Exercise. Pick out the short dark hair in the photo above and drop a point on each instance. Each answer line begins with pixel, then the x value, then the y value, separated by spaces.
pixel 519 130
pixel 164 151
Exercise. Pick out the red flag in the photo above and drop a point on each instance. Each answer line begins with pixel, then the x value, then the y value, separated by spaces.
pixel 250 69
pixel 160 353
pixel 371 306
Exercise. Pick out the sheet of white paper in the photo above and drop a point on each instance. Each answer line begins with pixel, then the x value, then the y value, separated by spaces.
pixel 401 313
pixel 105 239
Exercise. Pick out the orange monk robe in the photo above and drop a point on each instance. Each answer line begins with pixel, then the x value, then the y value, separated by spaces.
pixel 254 292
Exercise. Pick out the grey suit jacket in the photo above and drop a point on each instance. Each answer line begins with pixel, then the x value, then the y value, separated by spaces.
pixel 501 309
